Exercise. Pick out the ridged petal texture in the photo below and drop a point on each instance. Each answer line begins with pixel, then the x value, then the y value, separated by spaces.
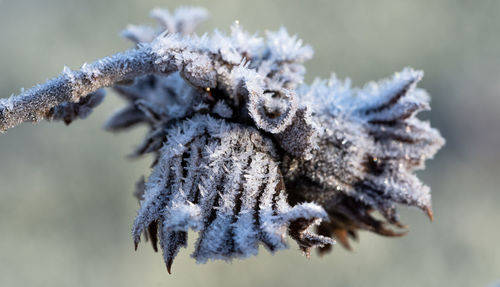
pixel 221 180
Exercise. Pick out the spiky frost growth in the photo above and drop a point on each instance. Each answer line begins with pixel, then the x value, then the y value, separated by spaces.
pixel 222 180
pixel 244 151
pixel 205 63
pixel 374 143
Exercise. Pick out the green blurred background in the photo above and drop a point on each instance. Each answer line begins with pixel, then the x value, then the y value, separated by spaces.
pixel 66 205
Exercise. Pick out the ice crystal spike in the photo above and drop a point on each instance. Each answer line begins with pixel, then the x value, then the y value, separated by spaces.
pixel 244 151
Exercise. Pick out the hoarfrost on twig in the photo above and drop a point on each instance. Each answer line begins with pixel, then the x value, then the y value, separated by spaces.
pixel 244 150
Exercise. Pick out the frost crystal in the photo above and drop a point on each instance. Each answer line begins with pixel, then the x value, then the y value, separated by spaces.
pixel 244 150
pixel 221 179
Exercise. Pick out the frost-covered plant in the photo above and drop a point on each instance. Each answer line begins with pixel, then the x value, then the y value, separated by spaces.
pixel 244 151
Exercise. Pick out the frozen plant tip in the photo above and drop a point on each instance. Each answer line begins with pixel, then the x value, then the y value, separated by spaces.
pixel 244 151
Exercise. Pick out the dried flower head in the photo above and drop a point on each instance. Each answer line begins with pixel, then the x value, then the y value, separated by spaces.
pixel 244 151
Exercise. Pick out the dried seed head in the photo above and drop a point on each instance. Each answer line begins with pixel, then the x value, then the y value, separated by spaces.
pixel 244 151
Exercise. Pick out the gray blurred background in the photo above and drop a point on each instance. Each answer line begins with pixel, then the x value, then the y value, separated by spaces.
pixel 66 205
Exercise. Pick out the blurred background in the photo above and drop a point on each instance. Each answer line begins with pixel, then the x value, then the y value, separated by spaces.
pixel 66 205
